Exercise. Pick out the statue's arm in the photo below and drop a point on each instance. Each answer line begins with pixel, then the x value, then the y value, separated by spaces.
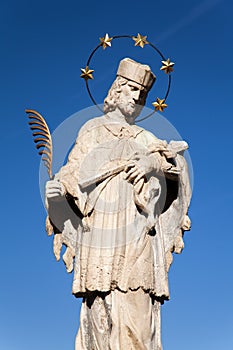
pixel 64 202
pixel 143 164
pixel 62 221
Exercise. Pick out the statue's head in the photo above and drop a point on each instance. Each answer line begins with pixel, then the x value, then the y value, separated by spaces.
pixel 129 91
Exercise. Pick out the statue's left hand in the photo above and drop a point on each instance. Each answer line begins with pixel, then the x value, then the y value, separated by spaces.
pixel 138 167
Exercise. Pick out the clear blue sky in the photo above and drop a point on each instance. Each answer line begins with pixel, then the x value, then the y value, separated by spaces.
pixel 43 46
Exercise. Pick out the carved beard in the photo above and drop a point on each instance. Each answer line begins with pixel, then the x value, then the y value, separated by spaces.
pixel 129 109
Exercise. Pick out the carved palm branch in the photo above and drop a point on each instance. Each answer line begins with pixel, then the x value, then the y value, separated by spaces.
pixel 42 138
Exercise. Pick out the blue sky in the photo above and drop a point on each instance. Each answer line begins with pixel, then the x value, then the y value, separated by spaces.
pixel 43 46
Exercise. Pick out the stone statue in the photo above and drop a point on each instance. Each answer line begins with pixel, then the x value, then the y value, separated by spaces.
pixel 119 206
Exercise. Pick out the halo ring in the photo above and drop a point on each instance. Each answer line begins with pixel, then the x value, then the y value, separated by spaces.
pixel 130 37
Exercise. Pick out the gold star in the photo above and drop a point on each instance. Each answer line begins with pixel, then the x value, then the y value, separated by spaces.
pixel 167 66
pixel 106 41
pixel 86 73
pixel 159 104
pixel 140 40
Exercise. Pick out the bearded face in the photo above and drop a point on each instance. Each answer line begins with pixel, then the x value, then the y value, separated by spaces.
pixel 131 99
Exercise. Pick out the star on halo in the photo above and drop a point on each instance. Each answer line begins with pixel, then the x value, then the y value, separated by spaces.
pixel 105 41
pixel 159 104
pixel 140 40
pixel 167 66
pixel 87 73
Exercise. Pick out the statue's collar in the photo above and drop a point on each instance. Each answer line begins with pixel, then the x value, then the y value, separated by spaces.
pixel 119 127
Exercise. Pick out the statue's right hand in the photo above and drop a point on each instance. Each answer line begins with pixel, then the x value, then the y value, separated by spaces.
pixel 54 190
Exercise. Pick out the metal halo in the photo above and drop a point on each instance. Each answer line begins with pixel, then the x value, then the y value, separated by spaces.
pixel 131 37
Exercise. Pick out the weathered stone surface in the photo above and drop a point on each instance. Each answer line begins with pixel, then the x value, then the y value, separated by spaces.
pixel 120 205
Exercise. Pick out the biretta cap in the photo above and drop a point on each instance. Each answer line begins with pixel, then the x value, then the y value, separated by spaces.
pixel 137 72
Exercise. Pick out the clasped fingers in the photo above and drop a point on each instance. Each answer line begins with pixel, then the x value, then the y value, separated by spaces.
pixel 134 173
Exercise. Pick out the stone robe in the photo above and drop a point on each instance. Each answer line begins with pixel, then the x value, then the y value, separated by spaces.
pixel 120 236
pixel 115 245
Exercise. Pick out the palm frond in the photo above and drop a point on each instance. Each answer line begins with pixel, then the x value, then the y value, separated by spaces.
pixel 44 140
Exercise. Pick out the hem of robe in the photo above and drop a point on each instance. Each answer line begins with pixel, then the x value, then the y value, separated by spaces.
pixel 160 298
